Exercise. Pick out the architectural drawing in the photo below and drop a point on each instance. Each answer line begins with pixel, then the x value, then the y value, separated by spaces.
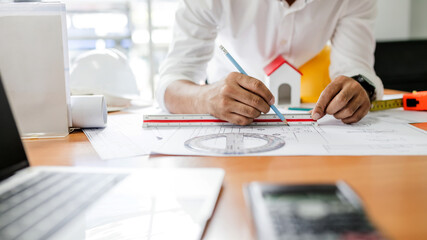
pixel 234 143
pixel 371 136
pixel 380 133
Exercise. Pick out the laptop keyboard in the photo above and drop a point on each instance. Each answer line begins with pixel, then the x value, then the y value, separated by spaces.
pixel 40 206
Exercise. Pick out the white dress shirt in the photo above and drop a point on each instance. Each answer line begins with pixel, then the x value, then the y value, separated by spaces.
pixel 256 31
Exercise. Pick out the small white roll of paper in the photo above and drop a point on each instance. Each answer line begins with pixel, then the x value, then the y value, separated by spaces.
pixel 88 111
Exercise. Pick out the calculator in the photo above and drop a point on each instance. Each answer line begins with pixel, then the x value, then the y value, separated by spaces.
pixel 306 212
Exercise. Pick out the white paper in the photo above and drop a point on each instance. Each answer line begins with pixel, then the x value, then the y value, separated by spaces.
pixel 88 111
pixel 329 138
pixel 124 137
pixel 380 133
pixel 392 96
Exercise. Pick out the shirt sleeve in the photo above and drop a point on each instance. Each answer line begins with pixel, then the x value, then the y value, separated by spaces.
pixel 353 43
pixel 194 34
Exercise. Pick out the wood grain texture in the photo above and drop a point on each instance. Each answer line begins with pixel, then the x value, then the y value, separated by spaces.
pixel 393 188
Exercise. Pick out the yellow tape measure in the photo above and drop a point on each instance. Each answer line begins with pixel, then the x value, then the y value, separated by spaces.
pixel 416 101
pixel 386 104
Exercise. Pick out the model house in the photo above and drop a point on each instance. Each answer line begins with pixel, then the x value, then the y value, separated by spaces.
pixel 284 81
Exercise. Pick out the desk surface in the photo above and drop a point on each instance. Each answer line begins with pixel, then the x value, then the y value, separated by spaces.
pixel 393 188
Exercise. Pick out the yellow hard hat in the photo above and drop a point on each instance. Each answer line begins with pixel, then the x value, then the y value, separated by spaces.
pixel 315 76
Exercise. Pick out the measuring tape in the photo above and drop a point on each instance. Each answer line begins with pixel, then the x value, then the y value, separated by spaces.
pixel 410 101
pixel 194 120
pixel 386 104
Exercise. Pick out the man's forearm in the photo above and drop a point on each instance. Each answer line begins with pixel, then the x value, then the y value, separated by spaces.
pixel 184 96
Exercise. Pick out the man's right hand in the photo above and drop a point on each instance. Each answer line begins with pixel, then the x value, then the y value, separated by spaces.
pixel 237 99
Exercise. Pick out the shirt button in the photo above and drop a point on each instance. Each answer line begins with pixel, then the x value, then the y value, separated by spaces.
pixel 283 42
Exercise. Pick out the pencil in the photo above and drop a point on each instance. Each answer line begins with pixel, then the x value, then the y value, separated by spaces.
pixel 233 61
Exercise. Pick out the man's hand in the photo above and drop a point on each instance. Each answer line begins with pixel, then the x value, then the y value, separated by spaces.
pixel 237 99
pixel 344 98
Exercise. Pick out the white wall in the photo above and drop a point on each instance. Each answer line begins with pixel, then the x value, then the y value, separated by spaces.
pixel 401 20
pixel 418 19
pixel 393 20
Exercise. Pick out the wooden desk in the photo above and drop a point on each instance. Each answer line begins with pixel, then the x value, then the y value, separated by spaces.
pixel 394 188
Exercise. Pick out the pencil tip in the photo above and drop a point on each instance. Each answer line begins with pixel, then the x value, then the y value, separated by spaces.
pixel 223 49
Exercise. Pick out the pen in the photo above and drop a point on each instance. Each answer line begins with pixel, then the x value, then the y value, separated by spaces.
pixel 280 115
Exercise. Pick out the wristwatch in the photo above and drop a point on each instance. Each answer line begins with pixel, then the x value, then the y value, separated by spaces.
pixel 367 85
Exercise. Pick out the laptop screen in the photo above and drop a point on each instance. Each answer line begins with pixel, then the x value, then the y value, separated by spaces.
pixel 12 153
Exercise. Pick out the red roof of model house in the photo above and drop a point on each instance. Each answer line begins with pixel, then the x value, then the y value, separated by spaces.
pixel 276 63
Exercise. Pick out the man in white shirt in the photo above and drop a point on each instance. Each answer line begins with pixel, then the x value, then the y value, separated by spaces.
pixel 255 32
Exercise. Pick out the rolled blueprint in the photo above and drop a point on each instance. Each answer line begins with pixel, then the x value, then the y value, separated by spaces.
pixel 88 111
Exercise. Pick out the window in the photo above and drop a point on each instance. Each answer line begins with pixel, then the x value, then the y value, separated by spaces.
pixel 141 29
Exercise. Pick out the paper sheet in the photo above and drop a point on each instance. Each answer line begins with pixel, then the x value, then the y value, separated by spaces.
pixel 380 133
pixel 376 134
pixel 124 137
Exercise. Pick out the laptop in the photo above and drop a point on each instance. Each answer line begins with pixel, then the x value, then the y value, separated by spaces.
pixel 98 203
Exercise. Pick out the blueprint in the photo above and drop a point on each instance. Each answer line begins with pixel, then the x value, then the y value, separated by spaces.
pixel 374 135
pixel 379 133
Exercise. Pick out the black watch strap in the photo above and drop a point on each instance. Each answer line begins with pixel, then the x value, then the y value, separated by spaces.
pixel 367 85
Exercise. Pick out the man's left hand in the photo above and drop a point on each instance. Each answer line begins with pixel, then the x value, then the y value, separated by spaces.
pixel 344 98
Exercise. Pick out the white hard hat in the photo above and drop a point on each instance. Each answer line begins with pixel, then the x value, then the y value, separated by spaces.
pixel 105 72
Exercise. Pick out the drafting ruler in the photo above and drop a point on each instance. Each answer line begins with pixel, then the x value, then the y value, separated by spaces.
pixel 194 120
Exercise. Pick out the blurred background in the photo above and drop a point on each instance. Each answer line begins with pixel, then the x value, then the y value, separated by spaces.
pixel 141 29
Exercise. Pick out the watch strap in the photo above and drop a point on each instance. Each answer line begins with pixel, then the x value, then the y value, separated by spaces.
pixel 367 85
